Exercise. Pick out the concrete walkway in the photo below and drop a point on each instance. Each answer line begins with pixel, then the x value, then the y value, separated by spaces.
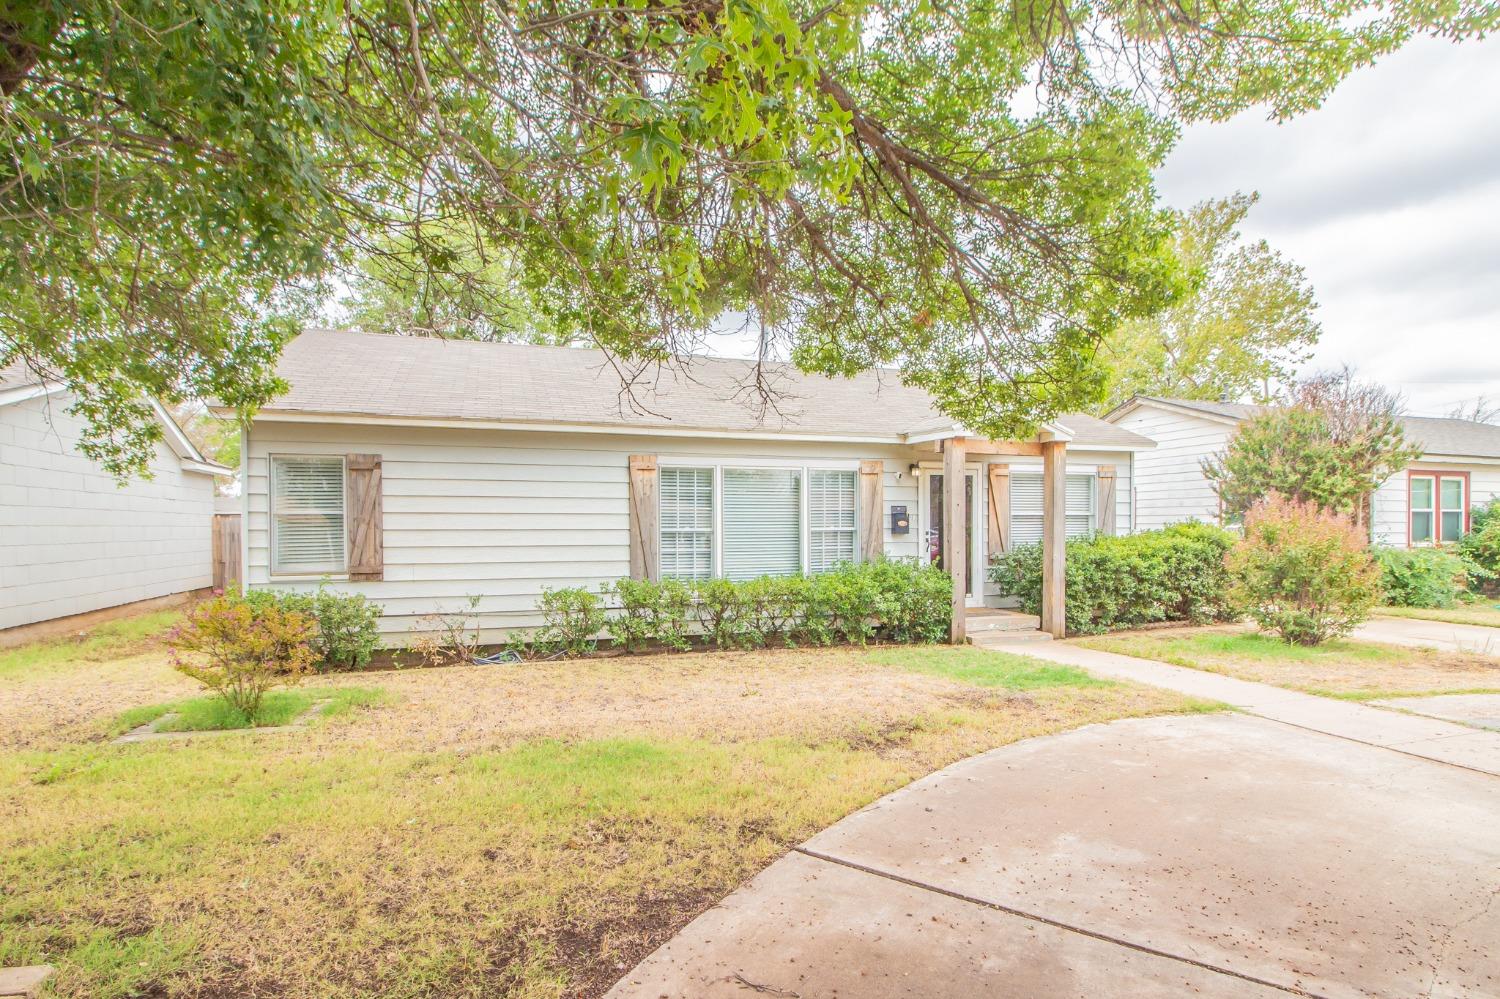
pixel 1431 634
pixel 1428 738
pixel 1305 846
pixel 1217 855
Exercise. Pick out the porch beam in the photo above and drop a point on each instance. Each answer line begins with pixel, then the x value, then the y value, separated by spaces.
pixel 953 535
pixel 974 445
pixel 1054 537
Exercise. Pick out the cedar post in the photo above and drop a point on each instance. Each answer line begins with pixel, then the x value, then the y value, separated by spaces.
pixel 954 535
pixel 1054 537
pixel 871 511
pixel 1107 482
pixel 999 534
pixel 645 519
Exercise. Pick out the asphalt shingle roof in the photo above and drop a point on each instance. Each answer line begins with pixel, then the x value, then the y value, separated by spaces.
pixel 344 372
pixel 1435 435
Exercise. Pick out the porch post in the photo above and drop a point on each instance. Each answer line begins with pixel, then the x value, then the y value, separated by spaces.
pixel 1054 537
pixel 954 532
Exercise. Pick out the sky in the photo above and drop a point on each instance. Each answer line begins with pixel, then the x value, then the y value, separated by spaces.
pixel 1389 197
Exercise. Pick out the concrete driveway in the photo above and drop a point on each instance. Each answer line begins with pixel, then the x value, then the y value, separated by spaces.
pixel 1215 855
pixel 1416 632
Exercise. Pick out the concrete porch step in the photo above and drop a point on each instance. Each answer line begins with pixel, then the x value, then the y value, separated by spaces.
pixel 985 619
pixel 1002 640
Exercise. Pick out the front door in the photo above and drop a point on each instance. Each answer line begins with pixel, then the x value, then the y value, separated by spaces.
pixel 932 503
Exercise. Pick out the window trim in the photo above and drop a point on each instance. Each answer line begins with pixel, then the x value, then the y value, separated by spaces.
pixel 342 572
pixel 715 517
pixel 1436 475
pixel 803 468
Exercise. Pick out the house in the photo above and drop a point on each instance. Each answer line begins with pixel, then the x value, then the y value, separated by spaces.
pixel 422 471
pixel 1427 503
pixel 74 540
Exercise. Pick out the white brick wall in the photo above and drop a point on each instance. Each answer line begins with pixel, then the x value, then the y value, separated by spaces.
pixel 72 540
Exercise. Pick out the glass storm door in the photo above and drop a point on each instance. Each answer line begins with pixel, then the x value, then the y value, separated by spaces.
pixel 934 539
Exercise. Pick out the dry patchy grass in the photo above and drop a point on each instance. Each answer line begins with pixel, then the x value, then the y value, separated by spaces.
pixel 526 830
pixel 1348 669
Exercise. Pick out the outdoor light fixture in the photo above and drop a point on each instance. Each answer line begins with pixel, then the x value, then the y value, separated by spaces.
pixel 916 471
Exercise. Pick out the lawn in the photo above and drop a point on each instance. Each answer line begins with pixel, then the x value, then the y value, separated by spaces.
pixel 527 830
pixel 1348 669
pixel 1483 614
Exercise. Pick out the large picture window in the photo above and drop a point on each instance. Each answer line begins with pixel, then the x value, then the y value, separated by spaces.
pixel 1026 502
pixel 745 522
pixel 307 515
pixel 1438 507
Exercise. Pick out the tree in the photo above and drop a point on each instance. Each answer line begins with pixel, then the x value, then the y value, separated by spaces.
pixel 1480 409
pixel 1246 323
pixel 1329 443
pixel 443 288
pixel 961 188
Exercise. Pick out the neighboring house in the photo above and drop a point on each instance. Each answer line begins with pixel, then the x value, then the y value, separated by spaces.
pixel 422 471
pixel 72 539
pixel 1427 503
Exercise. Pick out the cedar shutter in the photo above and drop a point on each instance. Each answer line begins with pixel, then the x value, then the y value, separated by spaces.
pixel 1107 499
pixel 645 523
pixel 999 534
pixel 871 511
pixel 364 516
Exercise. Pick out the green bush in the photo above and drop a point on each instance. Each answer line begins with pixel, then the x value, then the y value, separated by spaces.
pixel 348 624
pixel 1303 572
pixel 1422 577
pixel 242 649
pixel 1173 574
pixel 649 612
pixel 572 617
pixel 854 603
pixel 1481 546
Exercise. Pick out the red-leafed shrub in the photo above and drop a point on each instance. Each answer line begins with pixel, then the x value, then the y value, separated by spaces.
pixel 1303 572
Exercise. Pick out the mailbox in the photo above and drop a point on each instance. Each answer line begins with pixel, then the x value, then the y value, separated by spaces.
pixel 900 524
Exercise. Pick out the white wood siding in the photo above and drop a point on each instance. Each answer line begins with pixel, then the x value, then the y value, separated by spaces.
pixel 1169 483
pixel 71 540
pixel 1389 516
pixel 503 514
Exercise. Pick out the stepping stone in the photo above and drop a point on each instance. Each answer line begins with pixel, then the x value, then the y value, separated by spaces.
pixel 23 981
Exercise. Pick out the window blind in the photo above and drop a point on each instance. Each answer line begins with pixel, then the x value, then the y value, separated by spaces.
pixel 831 500
pixel 307 507
pixel 1026 507
pixel 687 523
pixel 762 522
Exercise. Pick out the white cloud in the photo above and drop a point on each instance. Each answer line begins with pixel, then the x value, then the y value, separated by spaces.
pixel 1389 196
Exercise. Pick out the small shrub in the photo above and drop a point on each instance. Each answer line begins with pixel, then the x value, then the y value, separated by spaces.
pixel 1481 546
pixel 850 602
pixel 917 603
pixel 572 618
pixel 649 612
pixel 723 613
pixel 445 637
pixel 777 607
pixel 1302 572
pixel 1173 574
pixel 348 624
pixel 246 649
pixel 1422 577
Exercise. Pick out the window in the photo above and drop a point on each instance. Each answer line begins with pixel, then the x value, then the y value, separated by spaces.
pixel 307 515
pixel 1026 518
pixel 1439 507
pixel 830 515
pixel 762 522
pixel 687 523
pixel 740 523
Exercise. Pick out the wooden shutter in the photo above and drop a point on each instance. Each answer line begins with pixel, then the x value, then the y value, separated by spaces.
pixel 645 524
pixel 871 511
pixel 1107 499
pixel 999 535
pixel 365 517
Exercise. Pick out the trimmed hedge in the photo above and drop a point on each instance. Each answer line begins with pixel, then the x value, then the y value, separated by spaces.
pixel 348 624
pixel 1174 574
pixel 855 603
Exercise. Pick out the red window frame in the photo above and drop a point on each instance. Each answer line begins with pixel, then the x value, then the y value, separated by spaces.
pixel 1437 476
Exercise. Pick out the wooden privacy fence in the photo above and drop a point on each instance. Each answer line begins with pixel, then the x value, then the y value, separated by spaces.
pixel 227 567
